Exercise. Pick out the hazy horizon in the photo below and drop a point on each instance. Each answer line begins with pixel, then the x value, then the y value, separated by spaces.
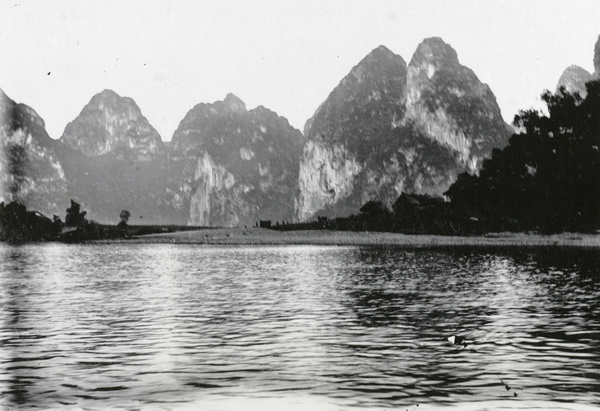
pixel 170 56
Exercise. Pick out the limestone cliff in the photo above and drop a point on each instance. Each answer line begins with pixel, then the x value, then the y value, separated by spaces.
pixel 242 164
pixel 447 102
pixel 388 128
pixel 30 170
pixel 327 176
pixel 348 129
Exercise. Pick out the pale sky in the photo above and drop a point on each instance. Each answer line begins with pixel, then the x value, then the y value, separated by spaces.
pixel 285 55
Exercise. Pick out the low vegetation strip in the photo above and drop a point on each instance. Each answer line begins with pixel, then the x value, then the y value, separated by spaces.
pixel 261 236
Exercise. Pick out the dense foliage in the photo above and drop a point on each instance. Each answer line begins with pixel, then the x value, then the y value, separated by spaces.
pixel 548 178
pixel 124 217
pixel 75 217
pixel 17 225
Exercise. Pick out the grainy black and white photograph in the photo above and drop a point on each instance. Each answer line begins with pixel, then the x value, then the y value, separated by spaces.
pixel 342 205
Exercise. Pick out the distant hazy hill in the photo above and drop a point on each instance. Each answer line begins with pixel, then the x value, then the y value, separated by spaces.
pixel 388 128
pixel 109 183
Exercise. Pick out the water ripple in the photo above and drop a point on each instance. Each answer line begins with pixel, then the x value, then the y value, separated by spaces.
pixel 164 327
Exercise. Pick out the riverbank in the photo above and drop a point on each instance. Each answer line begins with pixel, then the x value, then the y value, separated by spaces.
pixel 261 236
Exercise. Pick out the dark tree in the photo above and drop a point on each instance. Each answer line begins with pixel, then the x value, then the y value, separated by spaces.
pixel 124 216
pixel 548 178
pixel 13 222
pixel 375 215
pixel 75 217
pixel 57 224
pixel 17 225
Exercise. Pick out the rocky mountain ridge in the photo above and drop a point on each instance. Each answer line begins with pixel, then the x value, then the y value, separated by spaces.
pixel 389 128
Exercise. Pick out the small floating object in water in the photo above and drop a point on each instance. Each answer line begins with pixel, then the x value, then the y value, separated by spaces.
pixel 506 386
pixel 516 395
pixel 457 340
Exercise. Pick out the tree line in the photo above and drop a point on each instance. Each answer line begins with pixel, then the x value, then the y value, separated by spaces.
pixel 17 225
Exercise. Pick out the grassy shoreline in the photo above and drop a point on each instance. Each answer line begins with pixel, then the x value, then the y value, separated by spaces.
pixel 260 236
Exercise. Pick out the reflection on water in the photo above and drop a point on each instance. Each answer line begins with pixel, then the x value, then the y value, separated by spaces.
pixel 165 327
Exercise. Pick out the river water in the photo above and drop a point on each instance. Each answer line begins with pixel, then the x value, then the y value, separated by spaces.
pixel 297 327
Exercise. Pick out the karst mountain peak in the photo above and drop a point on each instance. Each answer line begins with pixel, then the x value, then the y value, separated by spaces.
pixel 389 128
pixel 234 103
pixel 434 50
pixel 386 128
pixel 109 123
pixel 381 61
